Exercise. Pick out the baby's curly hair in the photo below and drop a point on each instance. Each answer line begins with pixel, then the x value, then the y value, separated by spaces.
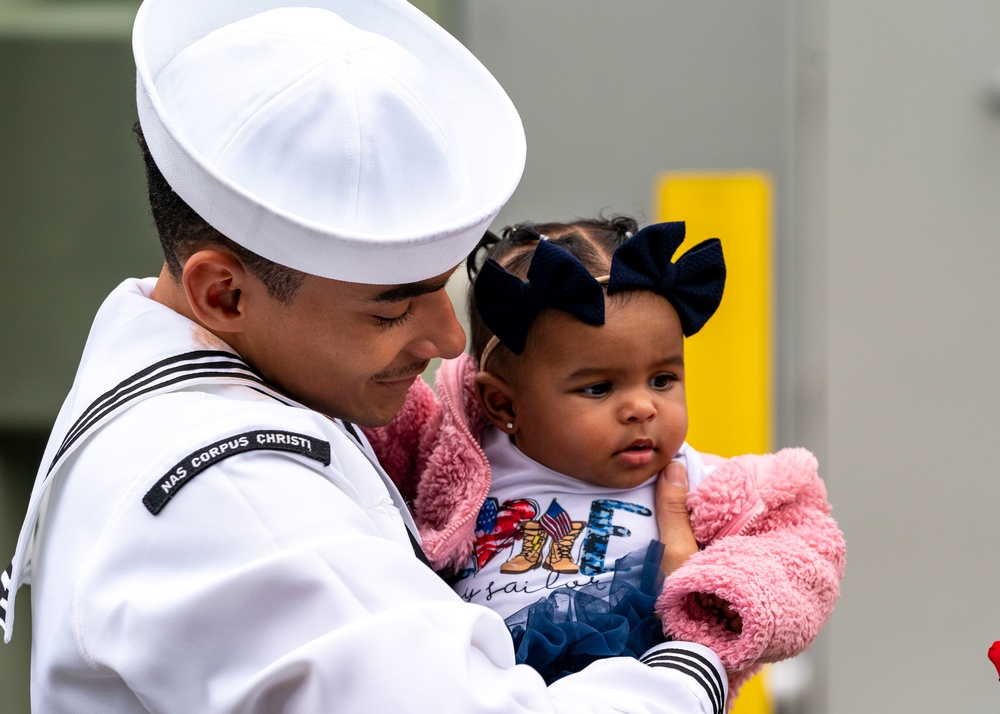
pixel 592 241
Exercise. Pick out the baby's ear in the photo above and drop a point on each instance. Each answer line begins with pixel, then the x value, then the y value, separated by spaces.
pixel 497 397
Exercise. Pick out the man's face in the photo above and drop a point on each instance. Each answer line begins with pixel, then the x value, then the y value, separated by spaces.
pixel 350 350
pixel 603 404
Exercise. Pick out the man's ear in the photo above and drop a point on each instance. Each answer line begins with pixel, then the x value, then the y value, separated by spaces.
pixel 497 397
pixel 214 282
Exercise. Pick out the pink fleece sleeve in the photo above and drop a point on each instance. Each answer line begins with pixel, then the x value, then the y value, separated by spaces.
pixel 780 567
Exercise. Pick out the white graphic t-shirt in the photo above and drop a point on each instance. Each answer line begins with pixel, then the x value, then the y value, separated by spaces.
pixel 540 530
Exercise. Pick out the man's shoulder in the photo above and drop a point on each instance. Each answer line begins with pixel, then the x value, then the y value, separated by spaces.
pixel 203 412
pixel 177 445
pixel 211 421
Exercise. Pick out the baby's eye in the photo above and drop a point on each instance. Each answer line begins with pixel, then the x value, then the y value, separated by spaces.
pixel 596 390
pixel 662 381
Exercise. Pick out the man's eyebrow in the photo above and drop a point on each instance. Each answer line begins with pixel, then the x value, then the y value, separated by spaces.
pixel 408 291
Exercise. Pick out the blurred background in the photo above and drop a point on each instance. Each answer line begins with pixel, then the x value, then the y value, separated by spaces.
pixel 874 130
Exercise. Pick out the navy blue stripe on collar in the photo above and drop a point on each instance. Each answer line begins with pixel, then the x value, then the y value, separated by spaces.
pixel 187 366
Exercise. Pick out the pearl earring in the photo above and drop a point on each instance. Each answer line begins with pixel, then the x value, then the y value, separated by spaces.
pixel 510 426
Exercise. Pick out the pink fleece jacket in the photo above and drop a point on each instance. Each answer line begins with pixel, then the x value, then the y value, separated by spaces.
pixel 770 547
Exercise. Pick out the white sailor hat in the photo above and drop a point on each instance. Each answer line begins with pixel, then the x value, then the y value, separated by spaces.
pixel 350 139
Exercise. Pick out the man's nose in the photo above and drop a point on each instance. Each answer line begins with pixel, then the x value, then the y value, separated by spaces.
pixel 443 335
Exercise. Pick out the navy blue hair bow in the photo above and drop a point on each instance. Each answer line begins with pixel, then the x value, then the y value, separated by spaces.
pixel 693 284
pixel 556 280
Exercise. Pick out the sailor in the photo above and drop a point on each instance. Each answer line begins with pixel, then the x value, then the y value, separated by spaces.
pixel 209 531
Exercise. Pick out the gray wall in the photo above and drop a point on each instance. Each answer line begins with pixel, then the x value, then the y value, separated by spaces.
pixel 71 197
pixel 611 94
pixel 913 389
pixel 73 225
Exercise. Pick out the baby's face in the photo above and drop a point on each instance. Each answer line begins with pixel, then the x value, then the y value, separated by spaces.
pixel 604 404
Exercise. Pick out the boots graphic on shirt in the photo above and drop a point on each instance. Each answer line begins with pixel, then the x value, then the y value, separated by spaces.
pixel 560 558
pixel 532 541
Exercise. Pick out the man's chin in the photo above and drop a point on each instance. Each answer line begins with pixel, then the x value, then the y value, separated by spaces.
pixel 377 405
pixel 377 413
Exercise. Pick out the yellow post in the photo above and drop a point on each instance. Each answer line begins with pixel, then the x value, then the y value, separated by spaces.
pixel 728 363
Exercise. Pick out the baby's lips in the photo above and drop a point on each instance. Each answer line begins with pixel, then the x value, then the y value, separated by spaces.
pixel 994 655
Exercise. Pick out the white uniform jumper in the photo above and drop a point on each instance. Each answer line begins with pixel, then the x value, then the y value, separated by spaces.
pixel 205 545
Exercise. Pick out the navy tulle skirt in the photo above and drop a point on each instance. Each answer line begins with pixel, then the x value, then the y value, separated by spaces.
pixel 569 629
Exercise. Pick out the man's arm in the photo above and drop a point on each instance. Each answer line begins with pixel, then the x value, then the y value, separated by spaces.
pixel 265 587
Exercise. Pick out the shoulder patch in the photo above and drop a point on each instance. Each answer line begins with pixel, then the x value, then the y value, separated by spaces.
pixel 264 440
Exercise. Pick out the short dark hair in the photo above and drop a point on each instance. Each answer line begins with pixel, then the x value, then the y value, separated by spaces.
pixel 592 241
pixel 183 232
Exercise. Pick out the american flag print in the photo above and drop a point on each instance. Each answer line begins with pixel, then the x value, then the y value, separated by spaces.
pixel 498 528
pixel 555 521
pixel 487 519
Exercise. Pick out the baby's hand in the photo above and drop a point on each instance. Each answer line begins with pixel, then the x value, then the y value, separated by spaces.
pixel 673 518
pixel 716 607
